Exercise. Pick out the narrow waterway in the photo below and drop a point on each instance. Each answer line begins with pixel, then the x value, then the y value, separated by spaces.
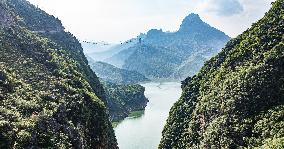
pixel 145 132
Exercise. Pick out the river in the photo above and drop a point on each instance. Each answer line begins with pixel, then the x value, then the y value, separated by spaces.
pixel 145 132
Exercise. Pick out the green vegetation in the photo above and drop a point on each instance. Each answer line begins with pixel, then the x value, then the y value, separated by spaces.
pixel 136 114
pixel 50 98
pixel 115 124
pixel 110 73
pixel 123 95
pixel 123 100
pixel 237 99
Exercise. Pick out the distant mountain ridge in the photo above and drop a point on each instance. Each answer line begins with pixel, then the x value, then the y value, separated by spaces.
pixel 158 54
pixel 102 51
pixel 110 73
pixel 95 47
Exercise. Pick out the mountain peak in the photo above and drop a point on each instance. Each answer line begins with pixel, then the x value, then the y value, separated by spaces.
pixel 191 22
pixel 193 16
pixel 154 32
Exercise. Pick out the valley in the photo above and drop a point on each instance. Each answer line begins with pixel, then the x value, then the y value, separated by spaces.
pixel 145 131
pixel 160 55
pixel 194 87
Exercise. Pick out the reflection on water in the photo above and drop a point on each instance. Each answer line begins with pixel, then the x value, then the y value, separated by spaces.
pixel 145 131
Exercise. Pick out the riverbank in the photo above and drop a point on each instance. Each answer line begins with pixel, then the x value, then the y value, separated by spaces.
pixel 144 131
pixel 124 100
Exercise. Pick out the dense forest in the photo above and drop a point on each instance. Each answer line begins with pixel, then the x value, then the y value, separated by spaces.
pixel 50 98
pixel 110 73
pixel 123 93
pixel 124 99
pixel 237 99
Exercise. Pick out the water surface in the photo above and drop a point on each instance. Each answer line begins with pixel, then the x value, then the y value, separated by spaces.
pixel 145 132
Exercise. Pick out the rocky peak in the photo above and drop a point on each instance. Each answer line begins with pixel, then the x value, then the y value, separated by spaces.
pixel 191 22
pixel 154 32
pixel 6 19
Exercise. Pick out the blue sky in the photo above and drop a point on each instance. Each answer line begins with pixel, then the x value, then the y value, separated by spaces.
pixel 119 20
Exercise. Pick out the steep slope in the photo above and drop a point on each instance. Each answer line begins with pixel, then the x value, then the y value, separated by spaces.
pixel 121 52
pixel 44 25
pixel 50 98
pixel 116 75
pixel 189 67
pixel 237 99
pixel 124 99
pixel 153 62
pixel 123 95
pixel 158 53
pixel 118 59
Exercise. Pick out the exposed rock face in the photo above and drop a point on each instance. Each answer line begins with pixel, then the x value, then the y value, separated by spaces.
pixel 6 19
pixel 192 23
pixel 172 55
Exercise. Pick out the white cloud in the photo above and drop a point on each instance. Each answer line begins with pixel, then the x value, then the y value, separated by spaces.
pixel 118 20
pixel 236 23
pixel 223 7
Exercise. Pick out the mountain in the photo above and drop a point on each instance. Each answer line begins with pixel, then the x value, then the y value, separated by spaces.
pixel 189 67
pixel 237 99
pixel 90 47
pixel 153 62
pixel 123 94
pixel 119 58
pixel 50 97
pixel 124 99
pixel 122 51
pixel 101 51
pixel 158 54
pixel 98 50
pixel 116 75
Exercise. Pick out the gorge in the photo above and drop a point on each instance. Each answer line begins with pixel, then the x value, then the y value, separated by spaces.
pixel 145 131
pixel 191 88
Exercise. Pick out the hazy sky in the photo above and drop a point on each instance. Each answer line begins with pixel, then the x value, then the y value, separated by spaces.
pixel 119 20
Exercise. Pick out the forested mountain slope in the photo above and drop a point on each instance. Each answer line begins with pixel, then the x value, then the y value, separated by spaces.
pixel 110 73
pixel 123 99
pixel 49 95
pixel 123 94
pixel 237 99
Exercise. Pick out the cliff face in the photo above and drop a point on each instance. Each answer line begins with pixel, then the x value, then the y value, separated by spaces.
pixel 237 99
pixel 6 19
pixel 124 99
pixel 49 95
